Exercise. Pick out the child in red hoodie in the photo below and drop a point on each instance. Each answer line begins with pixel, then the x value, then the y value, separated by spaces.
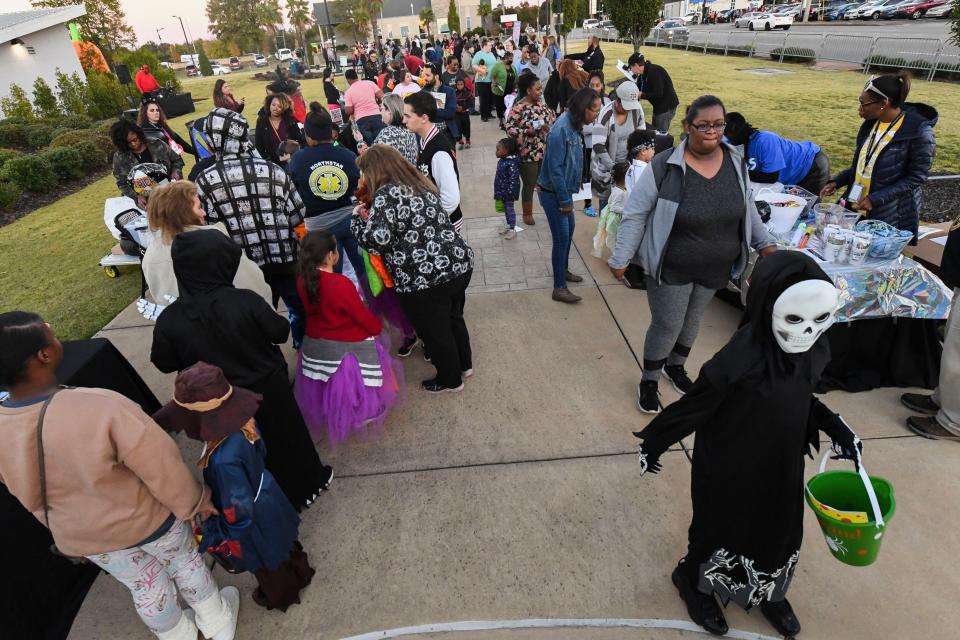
pixel 346 380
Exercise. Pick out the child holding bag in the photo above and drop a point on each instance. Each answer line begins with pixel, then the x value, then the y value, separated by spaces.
pixel 612 212
pixel 256 527
pixel 346 379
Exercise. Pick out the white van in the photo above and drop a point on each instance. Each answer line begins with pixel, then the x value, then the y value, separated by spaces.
pixel 284 54
pixel 190 59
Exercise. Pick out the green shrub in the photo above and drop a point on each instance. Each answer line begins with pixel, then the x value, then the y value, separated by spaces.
pixel 17 104
pixel 66 163
pixel 9 194
pixel 13 135
pixel 29 173
pixel 73 95
pixel 107 96
pixel 793 54
pixel 203 62
pixel 103 127
pixel 8 154
pixel 75 121
pixel 93 157
pixel 39 136
pixel 74 139
pixel 44 102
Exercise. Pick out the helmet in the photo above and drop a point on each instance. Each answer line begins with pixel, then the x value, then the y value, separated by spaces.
pixel 144 178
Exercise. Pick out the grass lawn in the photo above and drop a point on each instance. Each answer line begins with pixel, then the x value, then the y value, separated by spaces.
pixel 48 260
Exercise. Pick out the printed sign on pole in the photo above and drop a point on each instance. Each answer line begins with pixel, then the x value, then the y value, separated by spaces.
pixel 516 33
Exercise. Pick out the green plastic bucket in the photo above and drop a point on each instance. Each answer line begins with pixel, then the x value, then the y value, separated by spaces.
pixel 837 497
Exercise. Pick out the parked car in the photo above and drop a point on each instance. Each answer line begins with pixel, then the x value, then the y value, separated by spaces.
pixel 916 9
pixel 590 23
pixel 284 54
pixel 943 11
pixel 235 63
pixel 692 17
pixel 875 11
pixel 219 69
pixel 670 31
pixel 744 20
pixel 724 15
pixel 768 21
pixel 607 26
pixel 193 71
pixel 259 60
pixel 840 11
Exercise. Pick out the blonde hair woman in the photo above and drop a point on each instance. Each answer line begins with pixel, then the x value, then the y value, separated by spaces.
pixel 429 262
pixel 175 208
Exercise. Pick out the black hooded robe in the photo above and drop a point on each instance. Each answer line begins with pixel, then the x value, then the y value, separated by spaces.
pixel 236 330
pixel 755 416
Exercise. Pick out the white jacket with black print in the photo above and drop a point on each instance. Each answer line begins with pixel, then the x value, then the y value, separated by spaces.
pixel 601 161
pixel 413 234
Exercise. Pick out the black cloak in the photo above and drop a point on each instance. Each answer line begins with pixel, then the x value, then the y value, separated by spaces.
pixel 236 330
pixel 755 416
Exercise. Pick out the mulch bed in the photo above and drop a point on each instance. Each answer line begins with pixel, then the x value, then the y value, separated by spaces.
pixel 941 200
pixel 30 202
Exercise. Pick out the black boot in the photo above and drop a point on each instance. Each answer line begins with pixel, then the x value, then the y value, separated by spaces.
pixel 781 616
pixel 703 608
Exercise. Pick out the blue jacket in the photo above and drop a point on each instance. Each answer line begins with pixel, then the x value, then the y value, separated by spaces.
pixel 561 171
pixel 900 169
pixel 448 115
pixel 506 183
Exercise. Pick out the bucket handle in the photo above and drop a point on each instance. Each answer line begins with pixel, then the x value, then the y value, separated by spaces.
pixel 871 494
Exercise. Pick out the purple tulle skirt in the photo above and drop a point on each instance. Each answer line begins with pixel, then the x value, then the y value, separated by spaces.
pixel 343 406
pixel 386 306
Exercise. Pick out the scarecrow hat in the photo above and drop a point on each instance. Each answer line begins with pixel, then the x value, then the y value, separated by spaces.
pixel 206 406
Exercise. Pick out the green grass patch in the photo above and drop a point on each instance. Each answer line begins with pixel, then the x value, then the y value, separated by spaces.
pixel 48 260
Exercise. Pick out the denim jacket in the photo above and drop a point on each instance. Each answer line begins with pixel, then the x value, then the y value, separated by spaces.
pixel 561 172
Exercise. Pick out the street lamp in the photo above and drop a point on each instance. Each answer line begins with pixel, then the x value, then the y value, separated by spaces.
pixel 159 37
pixel 185 38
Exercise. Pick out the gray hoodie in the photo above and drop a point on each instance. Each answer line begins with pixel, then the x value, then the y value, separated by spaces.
pixel 542 70
pixel 651 210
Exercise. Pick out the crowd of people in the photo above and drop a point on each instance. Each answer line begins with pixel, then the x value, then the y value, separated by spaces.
pixel 355 224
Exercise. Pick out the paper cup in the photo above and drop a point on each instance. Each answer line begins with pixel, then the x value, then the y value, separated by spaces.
pixel 860 247
pixel 833 245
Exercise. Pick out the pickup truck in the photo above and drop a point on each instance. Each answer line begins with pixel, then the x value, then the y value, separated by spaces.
pixel 768 21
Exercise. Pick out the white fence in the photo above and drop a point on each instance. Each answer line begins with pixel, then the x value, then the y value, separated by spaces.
pixel 927 57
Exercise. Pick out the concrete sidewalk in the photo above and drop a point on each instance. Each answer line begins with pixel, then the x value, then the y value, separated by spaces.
pixel 520 498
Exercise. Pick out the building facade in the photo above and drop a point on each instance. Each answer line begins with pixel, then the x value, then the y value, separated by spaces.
pixel 400 18
pixel 34 44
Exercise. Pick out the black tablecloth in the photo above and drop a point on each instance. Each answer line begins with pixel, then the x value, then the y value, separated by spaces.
pixel 42 592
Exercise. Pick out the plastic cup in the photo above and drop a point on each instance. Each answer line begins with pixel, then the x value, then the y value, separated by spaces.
pixel 860 247
pixel 833 245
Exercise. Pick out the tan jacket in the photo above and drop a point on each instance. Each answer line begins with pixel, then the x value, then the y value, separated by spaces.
pixel 161 281
pixel 113 475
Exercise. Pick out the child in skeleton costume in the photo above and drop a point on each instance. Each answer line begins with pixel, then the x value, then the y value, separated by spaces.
pixel 755 416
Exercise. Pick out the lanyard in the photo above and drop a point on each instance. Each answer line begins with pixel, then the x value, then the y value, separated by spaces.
pixel 876 137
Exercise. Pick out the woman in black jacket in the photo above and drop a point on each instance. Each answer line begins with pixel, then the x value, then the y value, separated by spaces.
pixel 895 149
pixel 592 58
pixel 275 125
pixel 154 124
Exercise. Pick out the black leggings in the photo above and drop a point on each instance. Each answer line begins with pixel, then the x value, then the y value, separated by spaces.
pixel 463 119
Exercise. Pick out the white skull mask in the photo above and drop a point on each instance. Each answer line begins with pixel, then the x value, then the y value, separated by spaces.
pixel 802 313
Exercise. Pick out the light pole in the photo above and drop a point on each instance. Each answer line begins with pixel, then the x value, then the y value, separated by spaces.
pixel 159 37
pixel 416 26
pixel 185 38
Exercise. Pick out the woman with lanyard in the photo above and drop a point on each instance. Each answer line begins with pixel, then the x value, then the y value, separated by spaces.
pixel 275 125
pixel 895 149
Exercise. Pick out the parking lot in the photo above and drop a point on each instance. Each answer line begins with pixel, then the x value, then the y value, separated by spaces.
pixel 923 28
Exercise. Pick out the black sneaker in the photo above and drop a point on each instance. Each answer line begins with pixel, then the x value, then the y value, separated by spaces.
pixel 327 477
pixel 678 376
pixel 648 396
pixel 407 347
pixel 432 386
pixel 921 403
pixel 426 356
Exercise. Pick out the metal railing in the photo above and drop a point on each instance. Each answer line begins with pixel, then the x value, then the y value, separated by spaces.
pixel 928 57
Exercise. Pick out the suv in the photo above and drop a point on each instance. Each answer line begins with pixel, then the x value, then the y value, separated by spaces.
pixel 873 11
pixel 193 71
pixel 284 54
pixel 235 63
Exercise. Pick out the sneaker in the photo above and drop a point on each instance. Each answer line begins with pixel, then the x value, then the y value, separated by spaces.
pixel 231 598
pixel 648 396
pixel 407 347
pixel 432 386
pixel 589 211
pixel 426 356
pixel 460 146
pixel 327 477
pixel 467 146
pixel 678 376
pixel 921 403
pixel 503 229
pixel 468 373
pixel 929 427
pixel 564 295
pixel 510 234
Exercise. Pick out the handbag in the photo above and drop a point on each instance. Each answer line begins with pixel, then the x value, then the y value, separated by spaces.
pixel 43 482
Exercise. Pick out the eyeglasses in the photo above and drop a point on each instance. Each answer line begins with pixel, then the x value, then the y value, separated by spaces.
pixel 704 128
pixel 867 104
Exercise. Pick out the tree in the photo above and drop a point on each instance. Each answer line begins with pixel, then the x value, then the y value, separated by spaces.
pixel 44 102
pixel 574 11
pixel 484 12
pixel 73 94
pixel 230 20
pixel 17 104
pixel 298 14
pixel 453 18
pixel 105 23
pixel 426 17
pixel 635 18
pixel 204 65
pixel 353 17
pixel 269 17
pixel 955 23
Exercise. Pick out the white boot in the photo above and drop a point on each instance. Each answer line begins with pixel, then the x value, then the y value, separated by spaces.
pixel 185 630
pixel 217 615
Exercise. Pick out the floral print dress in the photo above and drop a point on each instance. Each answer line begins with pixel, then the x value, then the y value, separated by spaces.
pixel 523 116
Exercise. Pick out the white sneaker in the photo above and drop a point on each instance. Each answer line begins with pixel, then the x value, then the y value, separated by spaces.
pixel 466 374
pixel 185 629
pixel 217 616
pixel 510 234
